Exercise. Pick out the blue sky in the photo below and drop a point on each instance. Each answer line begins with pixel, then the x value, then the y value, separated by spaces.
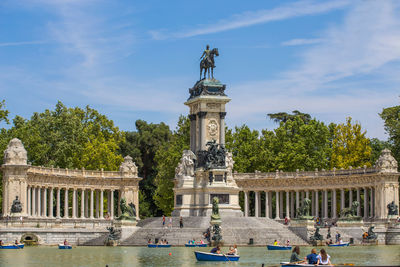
pixel 136 59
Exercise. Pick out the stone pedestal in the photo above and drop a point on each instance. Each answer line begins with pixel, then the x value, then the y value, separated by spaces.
pixel 127 228
pixel 350 223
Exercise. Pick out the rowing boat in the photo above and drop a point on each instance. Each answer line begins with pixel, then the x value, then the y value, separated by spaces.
pixel 159 246
pixel 62 246
pixel 346 244
pixel 207 256
pixel 272 247
pixel 196 245
pixel 288 264
pixel 19 246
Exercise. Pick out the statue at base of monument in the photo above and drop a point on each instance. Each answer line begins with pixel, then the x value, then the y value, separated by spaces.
pixel 350 213
pixel 217 236
pixel 16 206
pixel 317 236
pixel 128 212
pixel 215 210
pixel 371 234
pixel 393 209
pixel 303 212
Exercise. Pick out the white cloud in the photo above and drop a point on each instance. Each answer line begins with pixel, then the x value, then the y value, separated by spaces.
pixel 295 42
pixel 246 19
pixel 22 43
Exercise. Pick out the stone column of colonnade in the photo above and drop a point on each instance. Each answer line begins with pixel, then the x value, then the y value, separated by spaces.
pixel 326 204
pixel 46 202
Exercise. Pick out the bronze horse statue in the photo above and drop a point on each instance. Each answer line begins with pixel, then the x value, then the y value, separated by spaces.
pixel 208 63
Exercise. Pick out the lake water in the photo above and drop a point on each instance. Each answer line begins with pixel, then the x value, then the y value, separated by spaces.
pixel 181 256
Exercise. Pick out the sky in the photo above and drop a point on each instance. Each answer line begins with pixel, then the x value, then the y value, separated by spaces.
pixel 137 59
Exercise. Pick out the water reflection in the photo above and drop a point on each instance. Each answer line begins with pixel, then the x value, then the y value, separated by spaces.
pixel 146 257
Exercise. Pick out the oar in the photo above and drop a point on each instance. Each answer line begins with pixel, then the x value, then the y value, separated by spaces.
pixel 226 257
pixel 343 264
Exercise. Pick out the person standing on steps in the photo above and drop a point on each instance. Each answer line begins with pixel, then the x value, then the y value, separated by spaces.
pixel 170 223
pixel 163 221
pixel 181 222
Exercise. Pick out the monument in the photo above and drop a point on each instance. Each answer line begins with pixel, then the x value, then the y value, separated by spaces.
pixel 205 171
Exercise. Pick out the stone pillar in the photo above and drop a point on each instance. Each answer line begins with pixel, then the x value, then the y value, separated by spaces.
pixel 350 197
pixel 101 205
pixel 287 205
pixel 222 128
pixel 267 204
pixel 91 203
pixel 58 203
pixel 312 203
pixel 281 208
pixel 316 204
pixel 246 203
pixel 297 202
pixel 51 205
pixel 365 203
pixel 359 202
pixel 257 202
pixel 334 201
pixel 292 214
pixel 112 204
pixel 277 205
pixel 39 205
pixel 342 199
pixel 326 215
pixel 45 202
pixel 74 203
pixel 66 203
pixel 371 202
pixel 82 203
pixel 307 194
pixel 192 118
pixel 29 201
pixel 97 204
pixel 87 205
pixel 202 130
pixel 33 201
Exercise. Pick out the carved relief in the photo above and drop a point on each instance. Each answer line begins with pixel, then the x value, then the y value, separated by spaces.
pixel 128 166
pixel 386 162
pixel 213 105
pixel 15 154
pixel 212 128
pixel 186 165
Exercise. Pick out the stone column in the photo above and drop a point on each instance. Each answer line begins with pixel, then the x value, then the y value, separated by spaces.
pixel 246 203
pixel 202 130
pixel 359 202
pixel 287 205
pixel 39 205
pixel 82 203
pixel 45 202
pixel 292 214
pixel 91 204
pixel 97 204
pixel 87 205
pixel 365 203
pixel 350 197
pixel 74 203
pixel 277 205
pixel 371 202
pixel 312 203
pixel 334 201
pixel 29 201
pixel 326 215
pixel 58 203
pixel 307 194
pixel 342 199
pixel 267 204
pixel 222 127
pixel 66 203
pixel 101 204
pixel 316 204
pixel 257 207
pixel 297 202
pixel 112 204
pixel 192 118
pixel 33 202
pixel 51 199
pixel 281 208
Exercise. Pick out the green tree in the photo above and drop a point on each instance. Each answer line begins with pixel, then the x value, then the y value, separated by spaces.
pixel 391 117
pixel 350 146
pixel 167 159
pixel 142 145
pixel 3 112
pixel 376 148
pixel 284 117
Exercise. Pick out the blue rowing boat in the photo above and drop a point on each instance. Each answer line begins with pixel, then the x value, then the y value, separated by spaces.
pixel 19 246
pixel 272 247
pixel 288 264
pixel 196 245
pixel 346 244
pixel 206 256
pixel 158 246
pixel 61 246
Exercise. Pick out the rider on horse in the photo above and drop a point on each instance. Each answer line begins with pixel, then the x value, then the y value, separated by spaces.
pixel 206 55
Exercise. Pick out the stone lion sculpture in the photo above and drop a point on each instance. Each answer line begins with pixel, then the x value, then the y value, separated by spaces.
pixel 304 210
pixel 128 212
pixel 350 212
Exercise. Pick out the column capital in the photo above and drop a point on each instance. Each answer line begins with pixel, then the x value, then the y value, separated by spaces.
pixel 192 117
pixel 201 114
pixel 222 115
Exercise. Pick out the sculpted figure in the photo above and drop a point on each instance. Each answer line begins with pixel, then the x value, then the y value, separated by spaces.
pixel 371 234
pixel 186 165
pixel 128 212
pixel 207 62
pixel 393 209
pixel 350 212
pixel 229 161
pixel 304 210
pixel 215 209
pixel 16 206
pixel 15 154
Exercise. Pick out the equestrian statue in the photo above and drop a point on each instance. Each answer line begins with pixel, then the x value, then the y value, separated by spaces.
pixel 207 62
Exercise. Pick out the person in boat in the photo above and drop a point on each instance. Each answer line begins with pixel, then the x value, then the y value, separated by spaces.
pixel 276 243
pixel 365 235
pixel 65 242
pixel 295 257
pixel 1 243
pixel 233 250
pixel 340 241
pixel 323 258
pixel 330 242
pixel 16 242
pixel 194 241
pixel 288 243
pixel 312 257
pixel 201 242
pixel 216 250
pixel 149 241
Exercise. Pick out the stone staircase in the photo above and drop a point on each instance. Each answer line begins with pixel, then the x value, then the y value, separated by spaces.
pixel 235 230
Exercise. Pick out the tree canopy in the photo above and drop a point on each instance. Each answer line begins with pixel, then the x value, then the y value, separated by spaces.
pixel 391 118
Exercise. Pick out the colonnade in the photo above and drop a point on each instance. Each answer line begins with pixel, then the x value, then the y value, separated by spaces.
pixel 47 202
pixel 325 203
